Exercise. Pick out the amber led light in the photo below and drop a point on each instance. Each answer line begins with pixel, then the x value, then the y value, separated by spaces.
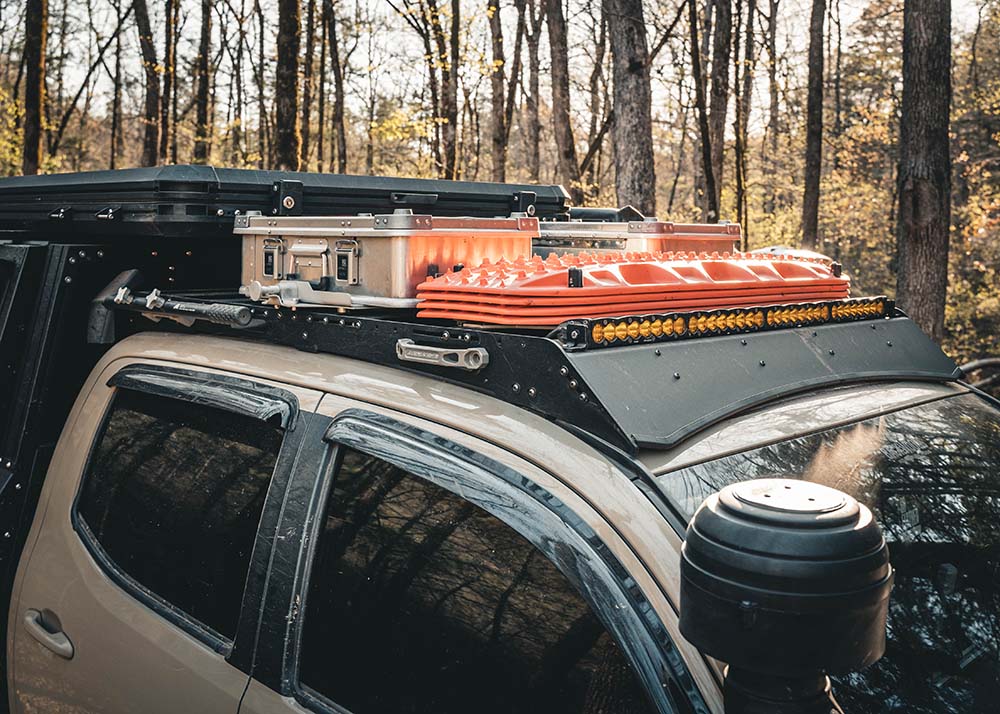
pixel 639 329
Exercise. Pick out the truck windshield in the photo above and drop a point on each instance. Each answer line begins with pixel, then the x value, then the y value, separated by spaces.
pixel 931 474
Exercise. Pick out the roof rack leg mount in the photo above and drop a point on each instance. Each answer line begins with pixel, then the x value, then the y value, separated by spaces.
pixel 101 322
pixel 787 581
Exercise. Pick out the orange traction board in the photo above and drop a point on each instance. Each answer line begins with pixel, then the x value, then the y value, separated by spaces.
pixel 546 292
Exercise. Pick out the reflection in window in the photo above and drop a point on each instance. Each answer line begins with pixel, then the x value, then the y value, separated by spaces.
pixel 174 494
pixel 932 475
pixel 422 603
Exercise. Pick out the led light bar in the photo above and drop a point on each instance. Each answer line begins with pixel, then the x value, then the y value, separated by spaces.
pixel 642 329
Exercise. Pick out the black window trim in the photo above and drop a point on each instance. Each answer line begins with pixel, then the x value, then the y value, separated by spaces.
pixel 187 385
pixel 447 464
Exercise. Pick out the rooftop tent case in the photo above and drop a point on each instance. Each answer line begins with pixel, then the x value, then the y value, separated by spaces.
pixel 198 201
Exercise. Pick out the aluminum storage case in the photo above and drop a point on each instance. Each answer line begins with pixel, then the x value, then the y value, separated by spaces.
pixel 368 260
pixel 569 237
pixel 664 236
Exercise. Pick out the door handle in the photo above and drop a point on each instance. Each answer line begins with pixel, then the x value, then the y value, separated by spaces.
pixel 51 637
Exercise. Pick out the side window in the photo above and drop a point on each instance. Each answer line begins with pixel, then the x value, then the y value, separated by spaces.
pixel 422 603
pixel 173 496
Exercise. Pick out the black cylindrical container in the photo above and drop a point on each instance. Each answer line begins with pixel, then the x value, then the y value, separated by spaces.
pixel 786 581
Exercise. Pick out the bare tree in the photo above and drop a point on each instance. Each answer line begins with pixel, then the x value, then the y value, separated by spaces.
pixel 203 130
pixel 770 144
pixel 598 94
pixel 287 139
pixel 339 127
pixel 307 81
pixel 151 105
pixel 238 145
pixel 56 134
pixel 536 16
pixel 35 32
pixel 502 90
pixel 498 139
pixel 324 23
pixel 116 97
pixel 743 103
pixel 264 145
pixel 169 74
pixel 712 205
pixel 925 164
pixel 562 120
pixel 635 180
pixel 719 102
pixel 174 98
pixel 814 127
pixel 449 80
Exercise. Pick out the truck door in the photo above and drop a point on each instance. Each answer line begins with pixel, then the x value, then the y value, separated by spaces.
pixel 132 594
pixel 423 576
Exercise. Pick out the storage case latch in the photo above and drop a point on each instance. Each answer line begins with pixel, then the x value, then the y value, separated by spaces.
pixel 274 249
pixel 346 259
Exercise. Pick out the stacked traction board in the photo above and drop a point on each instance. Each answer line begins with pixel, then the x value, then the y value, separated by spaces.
pixel 543 293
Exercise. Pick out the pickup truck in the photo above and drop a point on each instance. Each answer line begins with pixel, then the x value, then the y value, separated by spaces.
pixel 291 513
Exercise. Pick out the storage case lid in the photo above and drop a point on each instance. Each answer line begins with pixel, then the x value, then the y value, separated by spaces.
pixel 595 230
pixel 401 222
pixel 201 201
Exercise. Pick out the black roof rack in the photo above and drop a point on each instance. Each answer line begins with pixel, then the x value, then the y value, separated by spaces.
pixel 644 394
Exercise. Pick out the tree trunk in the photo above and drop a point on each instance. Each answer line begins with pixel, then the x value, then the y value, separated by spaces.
pixel 239 152
pixel 204 124
pixel 770 145
pixel 173 99
pixel 814 128
pixel 562 121
pixel 744 101
pixel 307 79
pixel 287 139
pixel 498 127
pixel 151 106
pixel 515 70
pixel 711 203
pixel 635 180
pixel 719 102
pixel 35 32
pixel 450 136
pixel 168 78
pixel 597 101
pixel 533 122
pixel 339 125
pixel 339 129
pixel 772 76
pixel 263 125
pixel 447 58
pixel 116 99
pixel 426 22
pixel 838 125
pixel 324 23
pixel 925 164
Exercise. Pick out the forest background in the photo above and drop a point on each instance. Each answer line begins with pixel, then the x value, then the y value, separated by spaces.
pixel 868 130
